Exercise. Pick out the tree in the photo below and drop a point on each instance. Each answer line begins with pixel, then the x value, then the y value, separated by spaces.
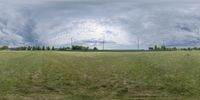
pixel 53 48
pixel 155 47
pixel 21 48
pixel 76 47
pixel 34 48
pixel 163 47
pixel 4 47
pixel 174 48
pixel 61 49
pixel 68 48
pixel 38 48
pixel 48 48
pixel 195 48
pixel 189 48
pixel 43 47
pixel 95 48
pixel 29 48
pixel 151 48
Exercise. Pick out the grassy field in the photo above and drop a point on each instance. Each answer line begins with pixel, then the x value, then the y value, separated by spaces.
pixel 100 75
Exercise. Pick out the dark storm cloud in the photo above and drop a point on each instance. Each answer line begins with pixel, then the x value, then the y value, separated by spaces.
pixel 122 22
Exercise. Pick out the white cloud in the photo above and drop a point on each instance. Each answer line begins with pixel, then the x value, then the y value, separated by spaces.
pixel 50 22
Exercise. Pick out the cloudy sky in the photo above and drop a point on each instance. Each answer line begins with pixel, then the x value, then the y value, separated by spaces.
pixel 86 22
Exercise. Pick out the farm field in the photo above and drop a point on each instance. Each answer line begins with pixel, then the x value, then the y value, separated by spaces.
pixel 100 75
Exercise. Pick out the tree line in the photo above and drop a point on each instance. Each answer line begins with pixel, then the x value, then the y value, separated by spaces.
pixel 164 48
pixel 86 48
pixel 49 48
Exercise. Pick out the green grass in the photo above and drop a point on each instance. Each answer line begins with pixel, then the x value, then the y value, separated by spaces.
pixel 100 75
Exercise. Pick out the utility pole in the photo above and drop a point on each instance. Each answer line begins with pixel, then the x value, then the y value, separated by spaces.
pixel 138 41
pixel 67 38
pixel 163 42
pixel 95 44
pixel 37 42
pixel 103 40
pixel 197 29
pixel 71 42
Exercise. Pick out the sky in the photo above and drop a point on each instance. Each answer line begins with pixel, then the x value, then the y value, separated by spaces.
pixel 122 24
